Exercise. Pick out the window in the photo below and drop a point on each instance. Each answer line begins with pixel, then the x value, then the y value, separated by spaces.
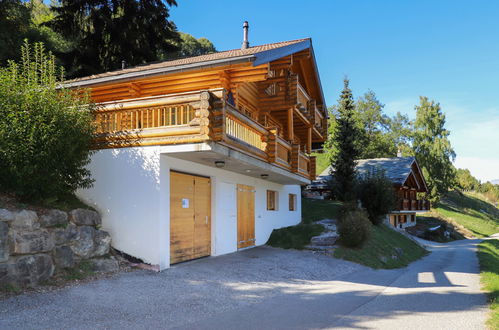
pixel 272 200
pixel 292 202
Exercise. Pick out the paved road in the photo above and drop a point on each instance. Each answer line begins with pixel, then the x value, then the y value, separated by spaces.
pixel 266 288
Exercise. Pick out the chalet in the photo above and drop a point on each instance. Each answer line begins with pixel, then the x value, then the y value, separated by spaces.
pixel 205 155
pixel 408 183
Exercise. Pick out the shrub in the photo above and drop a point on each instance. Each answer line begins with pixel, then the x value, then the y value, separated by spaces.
pixel 376 193
pixel 354 228
pixel 45 130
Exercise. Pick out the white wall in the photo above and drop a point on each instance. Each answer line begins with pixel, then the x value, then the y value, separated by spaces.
pixel 132 194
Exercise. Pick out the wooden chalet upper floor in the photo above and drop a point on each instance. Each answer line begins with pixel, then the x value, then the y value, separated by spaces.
pixel 265 101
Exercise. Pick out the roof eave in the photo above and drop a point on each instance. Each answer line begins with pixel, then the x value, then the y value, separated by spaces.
pixel 159 71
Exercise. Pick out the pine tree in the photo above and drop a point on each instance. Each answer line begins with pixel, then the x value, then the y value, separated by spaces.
pixel 345 136
pixel 433 149
pixel 106 32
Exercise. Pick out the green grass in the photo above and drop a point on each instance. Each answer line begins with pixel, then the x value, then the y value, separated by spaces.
pixel 294 237
pixel 377 252
pixel 317 209
pixel 488 255
pixel 79 272
pixel 470 211
pixel 322 162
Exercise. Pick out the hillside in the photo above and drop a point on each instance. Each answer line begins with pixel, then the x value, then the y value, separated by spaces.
pixel 470 210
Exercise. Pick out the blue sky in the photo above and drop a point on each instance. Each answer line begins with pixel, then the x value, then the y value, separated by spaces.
pixel 446 50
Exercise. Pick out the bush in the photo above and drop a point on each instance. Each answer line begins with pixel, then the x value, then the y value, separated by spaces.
pixel 376 193
pixel 294 237
pixel 354 227
pixel 45 130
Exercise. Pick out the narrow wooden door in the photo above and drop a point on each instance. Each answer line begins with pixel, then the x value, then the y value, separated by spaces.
pixel 190 223
pixel 202 217
pixel 245 216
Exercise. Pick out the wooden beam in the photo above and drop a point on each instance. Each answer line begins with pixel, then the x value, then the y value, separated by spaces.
pixel 290 124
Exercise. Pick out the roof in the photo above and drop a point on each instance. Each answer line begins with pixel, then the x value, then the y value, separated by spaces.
pixel 396 169
pixel 258 54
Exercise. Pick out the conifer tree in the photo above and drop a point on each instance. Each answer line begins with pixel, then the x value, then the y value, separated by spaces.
pixel 345 136
pixel 433 149
pixel 106 32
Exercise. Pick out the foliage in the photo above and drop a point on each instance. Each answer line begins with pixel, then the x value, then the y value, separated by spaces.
pixel 400 130
pixel 294 237
pixel 190 46
pixel 376 193
pixel 317 209
pixel 470 211
pixel 488 255
pixel 106 32
pixel 345 137
pixel 381 248
pixel 433 149
pixel 465 180
pixel 25 20
pixel 354 228
pixel 45 131
pixel 375 141
pixel 80 271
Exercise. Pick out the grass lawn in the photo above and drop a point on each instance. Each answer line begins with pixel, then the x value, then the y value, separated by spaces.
pixel 377 252
pixel 322 162
pixel 488 255
pixel 294 237
pixel 470 211
pixel 317 209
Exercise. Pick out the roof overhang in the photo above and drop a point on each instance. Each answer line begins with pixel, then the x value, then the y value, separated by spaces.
pixel 159 71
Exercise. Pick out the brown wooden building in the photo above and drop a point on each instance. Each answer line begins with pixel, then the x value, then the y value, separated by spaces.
pixel 244 120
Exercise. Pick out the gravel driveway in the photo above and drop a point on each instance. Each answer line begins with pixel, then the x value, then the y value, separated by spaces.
pixel 267 288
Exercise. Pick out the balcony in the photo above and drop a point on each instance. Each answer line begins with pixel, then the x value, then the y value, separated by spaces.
pixel 418 205
pixel 201 117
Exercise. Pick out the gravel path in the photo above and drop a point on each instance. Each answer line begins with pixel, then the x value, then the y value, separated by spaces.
pixel 267 288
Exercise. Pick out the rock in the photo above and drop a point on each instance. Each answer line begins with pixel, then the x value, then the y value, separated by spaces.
pixel 84 244
pixel 31 241
pixel 83 217
pixel 4 242
pixel 399 251
pixel 324 240
pixel 6 215
pixel 26 220
pixel 30 270
pixel 104 265
pixel 64 235
pixel 102 242
pixel 53 218
pixel 64 257
pixel 383 259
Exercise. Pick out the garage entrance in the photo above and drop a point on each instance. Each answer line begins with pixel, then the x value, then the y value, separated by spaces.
pixel 245 216
pixel 190 217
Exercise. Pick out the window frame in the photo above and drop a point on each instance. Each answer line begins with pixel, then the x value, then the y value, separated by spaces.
pixel 292 202
pixel 272 200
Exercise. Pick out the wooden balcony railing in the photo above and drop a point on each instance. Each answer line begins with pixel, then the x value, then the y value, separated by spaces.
pixel 413 204
pixel 108 121
pixel 302 97
pixel 192 118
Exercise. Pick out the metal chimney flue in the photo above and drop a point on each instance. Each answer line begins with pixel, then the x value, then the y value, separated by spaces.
pixel 245 35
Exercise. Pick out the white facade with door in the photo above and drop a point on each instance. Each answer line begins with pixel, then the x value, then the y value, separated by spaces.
pixel 132 193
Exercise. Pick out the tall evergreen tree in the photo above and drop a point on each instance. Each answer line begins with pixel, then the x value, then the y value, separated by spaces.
pixel 433 149
pixel 345 137
pixel 107 32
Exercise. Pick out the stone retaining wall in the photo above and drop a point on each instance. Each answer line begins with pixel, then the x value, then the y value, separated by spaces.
pixel 34 245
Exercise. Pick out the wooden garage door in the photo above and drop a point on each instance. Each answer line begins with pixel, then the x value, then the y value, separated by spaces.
pixel 245 216
pixel 190 217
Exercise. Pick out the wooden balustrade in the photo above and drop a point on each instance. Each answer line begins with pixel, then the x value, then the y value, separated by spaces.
pixel 109 121
pixel 303 163
pixel 194 118
pixel 406 204
pixel 238 130
pixel 283 152
pixel 302 97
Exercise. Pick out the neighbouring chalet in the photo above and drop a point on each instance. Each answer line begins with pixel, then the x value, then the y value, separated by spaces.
pixel 408 181
pixel 205 155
